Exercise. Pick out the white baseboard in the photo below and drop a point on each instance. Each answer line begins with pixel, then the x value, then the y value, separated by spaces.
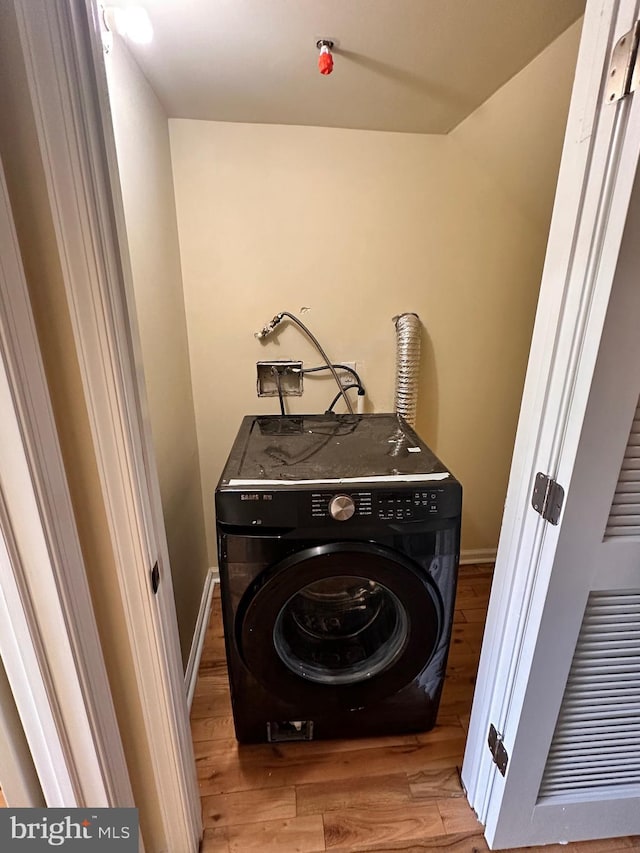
pixel 191 672
pixel 479 555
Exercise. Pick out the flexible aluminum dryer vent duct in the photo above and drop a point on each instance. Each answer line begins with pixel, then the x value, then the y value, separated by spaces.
pixel 407 365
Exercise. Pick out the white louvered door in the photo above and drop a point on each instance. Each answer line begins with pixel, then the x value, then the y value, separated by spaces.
pixel 624 516
pixel 596 743
pixel 559 676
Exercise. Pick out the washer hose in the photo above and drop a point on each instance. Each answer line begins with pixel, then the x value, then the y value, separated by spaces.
pixel 266 330
pixel 408 329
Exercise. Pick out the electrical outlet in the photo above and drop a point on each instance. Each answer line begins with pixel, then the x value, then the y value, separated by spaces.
pixel 285 374
pixel 344 376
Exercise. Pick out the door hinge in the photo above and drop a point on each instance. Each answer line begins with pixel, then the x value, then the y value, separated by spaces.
pixel 155 578
pixel 624 71
pixel 496 745
pixel 547 498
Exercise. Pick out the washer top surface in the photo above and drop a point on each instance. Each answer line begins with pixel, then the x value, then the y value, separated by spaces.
pixel 329 448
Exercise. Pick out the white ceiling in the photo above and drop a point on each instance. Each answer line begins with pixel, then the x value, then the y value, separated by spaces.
pixel 417 66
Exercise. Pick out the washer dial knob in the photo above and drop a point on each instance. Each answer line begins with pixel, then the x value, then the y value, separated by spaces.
pixel 341 507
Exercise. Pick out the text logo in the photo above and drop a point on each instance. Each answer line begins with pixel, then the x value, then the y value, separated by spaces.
pixel 79 830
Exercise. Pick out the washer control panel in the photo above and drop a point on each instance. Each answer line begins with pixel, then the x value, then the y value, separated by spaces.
pixel 341 506
pixel 402 504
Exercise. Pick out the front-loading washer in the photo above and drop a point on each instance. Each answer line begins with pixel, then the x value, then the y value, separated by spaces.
pixel 338 542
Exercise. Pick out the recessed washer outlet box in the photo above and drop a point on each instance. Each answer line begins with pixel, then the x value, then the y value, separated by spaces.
pixel 287 374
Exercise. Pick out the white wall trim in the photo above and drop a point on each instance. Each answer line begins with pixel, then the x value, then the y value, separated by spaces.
pixel 19 781
pixel 478 555
pixel 48 637
pixel 197 644
pixel 62 50
pixel 31 691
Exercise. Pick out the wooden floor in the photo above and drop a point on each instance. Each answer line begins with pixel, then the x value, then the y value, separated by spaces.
pixel 384 794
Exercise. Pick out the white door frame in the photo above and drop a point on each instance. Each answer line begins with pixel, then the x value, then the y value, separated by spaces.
pixel 59 41
pixel 18 777
pixel 594 188
pixel 49 640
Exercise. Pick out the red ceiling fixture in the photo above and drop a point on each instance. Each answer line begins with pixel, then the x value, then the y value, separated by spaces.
pixel 325 60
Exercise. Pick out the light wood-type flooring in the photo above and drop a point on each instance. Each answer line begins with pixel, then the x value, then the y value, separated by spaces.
pixel 380 794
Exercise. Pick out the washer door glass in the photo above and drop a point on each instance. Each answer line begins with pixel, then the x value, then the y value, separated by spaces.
pixel 341 630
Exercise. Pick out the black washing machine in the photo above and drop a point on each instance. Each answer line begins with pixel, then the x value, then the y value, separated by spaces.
pixel 338 539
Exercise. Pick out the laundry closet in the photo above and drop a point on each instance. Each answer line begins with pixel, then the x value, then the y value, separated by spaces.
pixel 155 235
pixel 229 222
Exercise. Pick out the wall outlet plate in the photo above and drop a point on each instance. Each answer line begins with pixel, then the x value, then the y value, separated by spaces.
pixel 344 376
pixel 287 374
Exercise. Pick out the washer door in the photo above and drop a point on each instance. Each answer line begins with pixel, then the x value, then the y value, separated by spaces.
pixel 339 624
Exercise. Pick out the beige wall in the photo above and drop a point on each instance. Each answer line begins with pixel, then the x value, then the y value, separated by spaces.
pixel 144 164
pixel 356 227
pixel 509 149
